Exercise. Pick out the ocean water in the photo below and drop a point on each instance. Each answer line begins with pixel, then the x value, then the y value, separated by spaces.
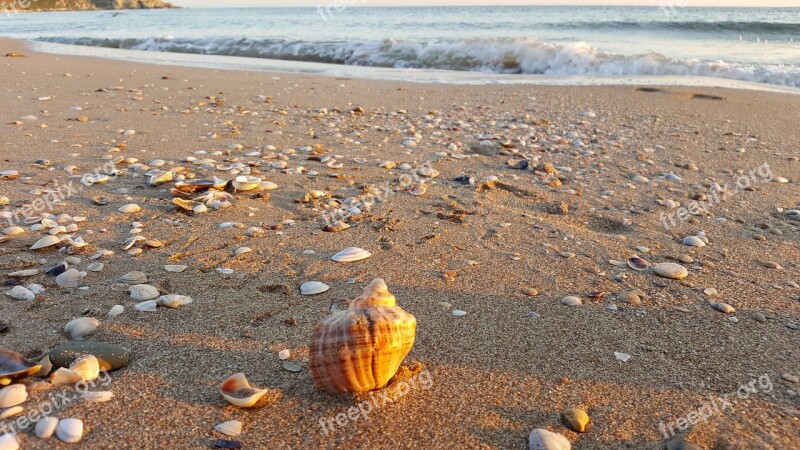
pixel 759 45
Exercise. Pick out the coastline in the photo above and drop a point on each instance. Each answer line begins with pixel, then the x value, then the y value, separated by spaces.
pixel 494 374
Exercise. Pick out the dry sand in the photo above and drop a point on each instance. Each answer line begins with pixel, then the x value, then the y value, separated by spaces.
pixel 496 373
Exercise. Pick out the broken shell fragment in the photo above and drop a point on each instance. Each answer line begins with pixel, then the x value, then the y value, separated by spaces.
pixel 134 277
pixel 361 348
pixel 14 366
pixel 98 396
pixel 174 301
pixel 237 391
pixel 46 241
pixel 230 428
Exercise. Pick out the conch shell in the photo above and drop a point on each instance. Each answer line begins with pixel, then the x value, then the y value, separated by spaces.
pixel 361 348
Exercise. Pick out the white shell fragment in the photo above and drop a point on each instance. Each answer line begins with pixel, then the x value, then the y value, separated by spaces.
pixel 21 293
pixel 143 292
pixel 147 306
pixel 174 301
pixel 541 439
pixel 232 428
pixel 313 288
pixel 672 271
pixel 116 310
pixel 46 241
pixel 78 328
pixel 175 268
pixel 98 396
pixel 70 279
pixel 351 254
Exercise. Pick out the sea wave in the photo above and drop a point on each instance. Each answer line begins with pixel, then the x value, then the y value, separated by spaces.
pixel 507 56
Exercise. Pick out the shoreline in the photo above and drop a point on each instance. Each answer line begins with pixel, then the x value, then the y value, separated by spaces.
pixel 506 253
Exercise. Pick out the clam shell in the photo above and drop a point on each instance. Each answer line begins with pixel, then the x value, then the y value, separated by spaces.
pixel 58 269
pixel 24 273
pixel 237 391
pixel 693 241
pixel 8 441
pixel 143 292
pixel 116 310
pixel 313 288
pixel 245 183
pixel 671 270
pixel 571 301
pixel 13 231
pixel 159 178
pixel 351 254
pixel 98 396
pixel 174 268
pixel 11 412
pixel 129 208
pixel 21 293
pixel 46 241
pixel 80 327
pixel 46 427
pixel 230 428
pixel 723 308
pixel 70 279
pixel 134 277
pixel 541 439
pixel 64 377
pixel 361 348
pixel 14 366
pixel 95 267
pixel 13 395
pixel 637 263
pixel 174 301
pixel 70 430
pixel 87 367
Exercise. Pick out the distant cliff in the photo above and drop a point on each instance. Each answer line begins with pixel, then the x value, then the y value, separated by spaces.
pixel 81 5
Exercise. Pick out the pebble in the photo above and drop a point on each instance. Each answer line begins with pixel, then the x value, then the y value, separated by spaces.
pixel 790 378
pixel 630 297
pixel 531 292
pixel 624 357
pixel 759 317
pixel 723 308
pixel 571 301
pixel 576 418
pixel 671 270
pixel 111 357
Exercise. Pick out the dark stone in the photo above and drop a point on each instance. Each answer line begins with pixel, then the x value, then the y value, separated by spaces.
pixel 3 327
pixel 222 443
pixel 110 356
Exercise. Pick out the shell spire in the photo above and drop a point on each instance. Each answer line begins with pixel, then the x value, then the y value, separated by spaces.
pixel 361 348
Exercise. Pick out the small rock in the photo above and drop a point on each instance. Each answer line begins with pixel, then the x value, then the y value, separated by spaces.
pixel 759 317
pixel 571 301
pixel 790 378
pixel 576 418
pixel 110 356
pixel 723 308
pixel 671 270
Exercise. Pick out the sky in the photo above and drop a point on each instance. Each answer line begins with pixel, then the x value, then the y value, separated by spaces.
pixel 287 3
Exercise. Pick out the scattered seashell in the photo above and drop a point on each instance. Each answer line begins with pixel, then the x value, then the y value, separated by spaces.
pixel 291 367
pixel 45 242
pixel 459 313
pixel 624 357
pixel 541 439
pixel 284 354
pixel 70 430
pixel 46 427
pixel 147 306
pixel 21 293
pixel 95 267
pixel 98 396
pixel 723 308
pixel 143 292
pixel 237 391
pixel 571 301
pixel 134 277
pixel 245 183
pixel 637 263
pixel 693 241
pixel 78 328
pixel 351 254
pixel 175 268
pixel 116 310
pixel 13 395
pixel 232 428
pixel 70 279
pixel 313 288
pixel 87 367
pixel 242 250
pixel 174 301
pixel 160 178
pixel 13 231
pixel 11 412
pixel 58 269
pixel 671 270
pixel 576 418
pixel 8 441
pixel 129 208
pixel 14 366
pixel 338 360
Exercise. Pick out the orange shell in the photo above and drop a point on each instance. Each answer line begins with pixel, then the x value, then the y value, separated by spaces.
pixel 361 349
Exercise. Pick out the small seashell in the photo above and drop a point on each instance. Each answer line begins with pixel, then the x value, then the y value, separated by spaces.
pixel 576 418
pixel 46 241
pixel 11 412
pixel 134 277
pixel 245 183
pixel 13 231
pixel 160 178
pixel 147 306
pixel 723 308
pixel 284 354
pixel 637 263
pixel 64 377
pixel 98 396
pixel 175 268
pixel 174 301
pixel 624 357
pixel 361 348
pixel 80 327
pixel 70 279
pixel 313 288
pixel 242 250
pixel 129 208
pixel 21 293
pixel 671 270
pixel 418 189
pixel 70 430
pixel 13 395
pixel 237 391
pixel 14 366
pixel 24 273
pixel 541 439
pixel 46 427
pixel 87 367
pixel 291 367
pixel 793 214
pixel 35 288
pixel 232 428
pixel 571 301
pixel 101 201
pixel 143 292
pixel 693 241
pixel 224 271
pixel 351 254
pixel 95 267
pixel 116 310
pixel 8 441
pixel 459 313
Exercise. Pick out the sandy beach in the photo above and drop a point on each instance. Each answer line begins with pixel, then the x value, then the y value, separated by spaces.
pixel 587 179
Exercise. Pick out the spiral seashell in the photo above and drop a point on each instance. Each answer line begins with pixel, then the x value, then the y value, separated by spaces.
pixel 361 348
